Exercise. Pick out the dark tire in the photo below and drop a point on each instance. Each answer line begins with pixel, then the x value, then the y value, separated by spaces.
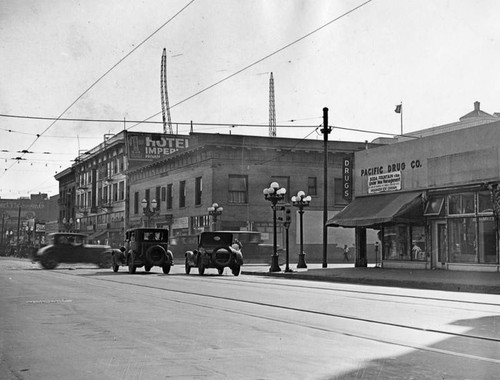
pixel 131 266
pixel 187 267
pixel 156 255
pixel 222 256
pixel 147 268
pixel 49 261
pixel 166 268
pixel 221 270
pixel 115 267
pixel 201 268
pixel 236 270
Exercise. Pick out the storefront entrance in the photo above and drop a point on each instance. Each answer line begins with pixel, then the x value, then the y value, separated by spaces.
pixel 439 243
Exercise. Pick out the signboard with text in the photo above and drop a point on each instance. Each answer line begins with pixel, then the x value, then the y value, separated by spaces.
pixel 380 183
pixel 146 146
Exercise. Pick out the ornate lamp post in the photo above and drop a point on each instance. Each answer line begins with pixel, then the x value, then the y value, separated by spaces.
pixel 68 224
pixel 149 210
pixel 274 194
pixel 214 211
pixel 300 201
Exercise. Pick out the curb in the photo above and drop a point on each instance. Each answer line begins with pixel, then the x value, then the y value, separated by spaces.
pixel 444 286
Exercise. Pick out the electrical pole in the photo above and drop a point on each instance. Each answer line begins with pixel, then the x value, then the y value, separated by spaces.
pixel 326 131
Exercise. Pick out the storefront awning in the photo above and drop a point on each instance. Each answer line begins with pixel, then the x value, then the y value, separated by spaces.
pixel 376 210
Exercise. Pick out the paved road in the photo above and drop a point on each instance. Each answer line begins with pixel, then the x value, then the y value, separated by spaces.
pixel 80 322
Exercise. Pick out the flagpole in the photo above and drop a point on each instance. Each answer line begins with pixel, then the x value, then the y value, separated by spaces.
pixel 401 118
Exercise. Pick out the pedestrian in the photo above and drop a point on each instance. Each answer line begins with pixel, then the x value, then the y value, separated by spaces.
pixel 346 253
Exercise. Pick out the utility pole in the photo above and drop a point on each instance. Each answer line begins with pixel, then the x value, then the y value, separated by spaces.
pixel 165 107
pixel 326 130
pixel 272 108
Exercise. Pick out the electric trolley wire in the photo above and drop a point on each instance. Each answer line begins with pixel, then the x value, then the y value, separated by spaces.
pixel 105 74
pixel 260 60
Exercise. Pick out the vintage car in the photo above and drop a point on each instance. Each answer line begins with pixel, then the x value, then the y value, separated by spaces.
pixel 215 250
pixel 69 247
pixel 144 247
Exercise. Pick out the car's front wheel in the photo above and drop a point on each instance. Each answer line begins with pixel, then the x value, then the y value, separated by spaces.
pixel 166 269
pixel 221 270
pixel 201 268
pixel 187 267
pixel 48 261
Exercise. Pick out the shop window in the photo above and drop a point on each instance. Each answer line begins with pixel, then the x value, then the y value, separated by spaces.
pixel 238 189
pixel 485 204
pixel 461 204
pixel 462 244
pixel 418 252
pixel 395 242
pixel 487 240
pixel 434 206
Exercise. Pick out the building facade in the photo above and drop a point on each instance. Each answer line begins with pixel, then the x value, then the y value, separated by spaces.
pixel 433 200
pixel 232 171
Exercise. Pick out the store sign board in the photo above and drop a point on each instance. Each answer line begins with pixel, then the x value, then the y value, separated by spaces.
pixel 347 178
pixel 146 146
pixel 381 183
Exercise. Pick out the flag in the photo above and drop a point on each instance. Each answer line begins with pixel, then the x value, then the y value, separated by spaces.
pixel 398 108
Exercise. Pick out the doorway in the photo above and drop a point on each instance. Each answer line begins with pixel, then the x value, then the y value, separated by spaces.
pixel 439 244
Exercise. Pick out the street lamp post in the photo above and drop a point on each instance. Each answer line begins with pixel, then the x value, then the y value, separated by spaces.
pixel 149 210
pixel 300 201
pixel 67 224
pixel 274 193
pixel 214 211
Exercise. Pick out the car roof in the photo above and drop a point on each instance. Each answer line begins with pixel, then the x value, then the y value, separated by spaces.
pixel 147 229
pixel 67 234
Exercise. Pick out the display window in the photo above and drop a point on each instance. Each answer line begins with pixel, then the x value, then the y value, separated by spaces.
pixel 404 242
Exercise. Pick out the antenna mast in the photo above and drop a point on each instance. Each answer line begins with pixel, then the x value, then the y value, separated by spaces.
pixel 165 107
pixel 272 111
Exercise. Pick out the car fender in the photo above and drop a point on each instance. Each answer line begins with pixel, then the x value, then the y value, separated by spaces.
pixel 191 257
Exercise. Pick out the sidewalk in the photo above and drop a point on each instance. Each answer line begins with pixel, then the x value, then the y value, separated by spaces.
pixel 456 281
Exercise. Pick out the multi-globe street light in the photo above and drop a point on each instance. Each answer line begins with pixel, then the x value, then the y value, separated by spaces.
pixel 149 210
pixel 274 193
pixel 300 201
pixel 215 211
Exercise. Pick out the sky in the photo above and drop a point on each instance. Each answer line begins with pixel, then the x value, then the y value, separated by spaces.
pixel 101 60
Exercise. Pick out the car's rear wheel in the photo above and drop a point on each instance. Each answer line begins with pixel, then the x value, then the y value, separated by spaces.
pixel 115 268
pixel 131 266
pixel 49 261
pixel 147 268
pixel 187 267
pixel 166 269
pixel 236 270
pixel 220 270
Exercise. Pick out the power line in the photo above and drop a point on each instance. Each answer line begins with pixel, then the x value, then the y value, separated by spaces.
pixel 262 59
pixel 106 73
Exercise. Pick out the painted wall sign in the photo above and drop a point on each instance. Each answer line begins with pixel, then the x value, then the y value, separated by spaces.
pixel 391 168
pixel 144 146
pixel 384 182
pixel 347 178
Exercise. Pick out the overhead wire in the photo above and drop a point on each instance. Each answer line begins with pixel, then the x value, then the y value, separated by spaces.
pixel 105 74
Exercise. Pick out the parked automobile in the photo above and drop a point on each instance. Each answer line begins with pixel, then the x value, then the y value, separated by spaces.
pixel 69 247
pixel 215 250
pixel 144 247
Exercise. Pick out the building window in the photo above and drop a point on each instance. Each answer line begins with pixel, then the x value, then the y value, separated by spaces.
pixel 157 197
pixel 147 195
pixel 115 192
pixel 238 189
pixel 462 240
pixel 163 194
pixel 198 190
pixel 484 203
pixel 487 240
pixel 182 194
pixel 434 206
pixel 122 190
pixel 404 242
pixel 461 204
pixel 170 197
pixel 338 192
pixel 136 202
pixel 312 186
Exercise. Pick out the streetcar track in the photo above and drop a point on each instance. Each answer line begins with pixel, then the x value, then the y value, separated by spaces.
pixel 296 309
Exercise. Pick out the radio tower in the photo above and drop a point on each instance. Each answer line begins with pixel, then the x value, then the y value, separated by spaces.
pixel 165 107
pixel 272 111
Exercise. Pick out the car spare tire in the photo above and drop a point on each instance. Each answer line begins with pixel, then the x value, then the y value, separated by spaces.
pixel 156 255
pixel 222 257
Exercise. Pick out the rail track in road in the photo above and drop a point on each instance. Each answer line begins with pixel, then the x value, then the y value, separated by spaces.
pixel 259 308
